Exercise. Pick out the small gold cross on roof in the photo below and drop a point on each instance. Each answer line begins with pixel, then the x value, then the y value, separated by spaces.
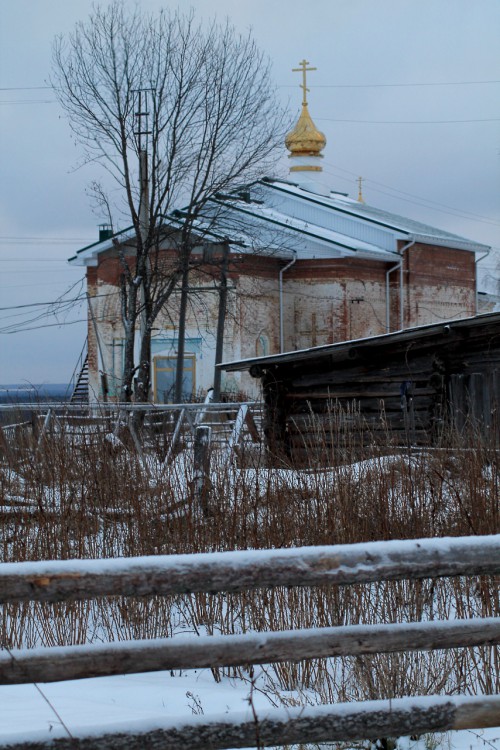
pixel 360 189
pixel 303 68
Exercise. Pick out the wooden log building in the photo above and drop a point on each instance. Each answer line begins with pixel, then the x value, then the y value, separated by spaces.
pixel 406 387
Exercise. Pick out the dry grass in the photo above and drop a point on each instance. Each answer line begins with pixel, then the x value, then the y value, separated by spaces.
pixel 84 497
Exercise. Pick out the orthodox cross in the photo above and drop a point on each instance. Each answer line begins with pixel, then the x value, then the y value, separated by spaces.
pixel 360 190
pixel 303 86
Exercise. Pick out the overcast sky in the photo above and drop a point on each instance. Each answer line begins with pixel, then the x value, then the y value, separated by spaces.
pixel 406 91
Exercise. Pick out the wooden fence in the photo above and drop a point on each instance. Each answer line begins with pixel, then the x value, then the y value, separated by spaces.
pixel 233 426
pixel 54 581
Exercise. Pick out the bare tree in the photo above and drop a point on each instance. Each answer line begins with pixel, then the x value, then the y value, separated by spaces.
pixel 176 112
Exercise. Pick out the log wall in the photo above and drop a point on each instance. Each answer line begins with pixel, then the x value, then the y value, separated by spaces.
pixel 388 390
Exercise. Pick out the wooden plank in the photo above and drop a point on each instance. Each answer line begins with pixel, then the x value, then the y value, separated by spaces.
pixel 368 376
pixel 250 569
pixel 252 427
pixel 175 438
pixel 78 662
pixel 236 432
pixel 201 483
pixel 47 422
pixel 370 720
pixel 5 446
pixel 334 394
pixel 358 389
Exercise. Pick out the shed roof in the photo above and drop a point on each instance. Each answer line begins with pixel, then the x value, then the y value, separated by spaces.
pixel 344 349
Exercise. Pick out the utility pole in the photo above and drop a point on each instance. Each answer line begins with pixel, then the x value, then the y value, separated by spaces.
pixel 142 134
pixel 179 394
pixel 144 224
pixel 221 321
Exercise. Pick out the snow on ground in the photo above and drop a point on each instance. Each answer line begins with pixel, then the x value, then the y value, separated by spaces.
pixel 160 697
pixel 100 702
pixel 107 700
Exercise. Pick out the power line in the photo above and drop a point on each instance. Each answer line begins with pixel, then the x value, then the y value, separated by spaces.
pixel 320 86
pixel 22 325
pixel 28 101
pixel 408 122
pixel 454 212
pixel 391 85
pixel 38 271
pixel 43 304
pixel 61 305
pixel 44 237
pixel 41 283
pixel 66 305
pixel 40 243
pixel 420 200
pixel 47 325
pixel 28 238
pixel 323 119
pixel 478 217
pixel 25 88
pixel 59 301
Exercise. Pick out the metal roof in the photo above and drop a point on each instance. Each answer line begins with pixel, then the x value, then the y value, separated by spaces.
pixel 337 227
pixel 89 253
pixel 413 229
pixel 300 231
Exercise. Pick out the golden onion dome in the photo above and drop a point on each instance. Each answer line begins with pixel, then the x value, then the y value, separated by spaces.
pixel 305 139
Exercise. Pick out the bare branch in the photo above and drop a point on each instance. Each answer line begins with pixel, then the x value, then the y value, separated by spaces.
pixel 210 121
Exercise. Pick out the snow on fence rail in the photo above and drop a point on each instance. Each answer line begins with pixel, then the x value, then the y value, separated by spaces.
pixel 100 660
pixel 234 571
pixel 102 408
pixel 53 581
pixel 344 721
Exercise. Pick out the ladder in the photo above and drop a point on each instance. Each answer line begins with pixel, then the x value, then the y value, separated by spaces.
pixel 80 392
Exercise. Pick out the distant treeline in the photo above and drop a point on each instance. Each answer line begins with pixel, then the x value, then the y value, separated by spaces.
pixel 25 394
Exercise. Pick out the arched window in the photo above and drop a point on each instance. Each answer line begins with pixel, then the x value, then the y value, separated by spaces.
pixel 262 345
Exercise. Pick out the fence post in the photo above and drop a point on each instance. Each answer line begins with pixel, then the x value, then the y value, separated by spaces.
pixel 47 423
pixel 175 437
pixel 201 471
pixel 4 445
pixel 235 434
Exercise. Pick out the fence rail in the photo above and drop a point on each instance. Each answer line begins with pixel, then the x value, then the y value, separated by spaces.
pixel 342 722
pixel 79 662
pixel 234 571
pixel 102 407
pixel 54 581
pixel 163 430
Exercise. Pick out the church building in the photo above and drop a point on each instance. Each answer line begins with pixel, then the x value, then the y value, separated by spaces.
pixel 304 266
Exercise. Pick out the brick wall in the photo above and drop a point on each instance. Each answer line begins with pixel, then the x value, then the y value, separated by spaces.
pixel 324 301
pixel 334 300
pixel 440 284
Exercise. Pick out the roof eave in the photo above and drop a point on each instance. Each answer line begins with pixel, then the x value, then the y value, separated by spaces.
pixel 458 244
pixel 342 347
pixel 88 254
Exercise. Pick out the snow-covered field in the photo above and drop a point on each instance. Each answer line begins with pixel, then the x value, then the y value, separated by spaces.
pixel 126 700
pixel 135 702
pixel 253 508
